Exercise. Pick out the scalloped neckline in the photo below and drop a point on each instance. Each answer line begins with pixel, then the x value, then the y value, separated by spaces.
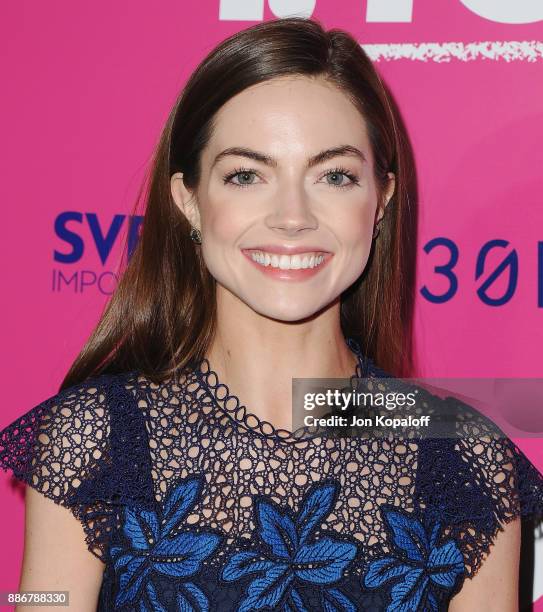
pixel 221 396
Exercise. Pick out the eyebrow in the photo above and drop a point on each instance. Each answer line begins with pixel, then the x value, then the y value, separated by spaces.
pixel 322 156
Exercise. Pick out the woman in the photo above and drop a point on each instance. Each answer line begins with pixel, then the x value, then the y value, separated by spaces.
pixel 277 242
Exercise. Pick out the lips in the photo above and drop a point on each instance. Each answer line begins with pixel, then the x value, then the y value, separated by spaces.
pixel 297 263
pixel 286 249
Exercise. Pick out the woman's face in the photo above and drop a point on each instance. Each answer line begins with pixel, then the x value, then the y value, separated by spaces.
pixel 286 180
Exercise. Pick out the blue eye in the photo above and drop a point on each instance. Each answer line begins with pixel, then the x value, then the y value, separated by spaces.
pixel 338 172
pixel 243 174
pixel 245 177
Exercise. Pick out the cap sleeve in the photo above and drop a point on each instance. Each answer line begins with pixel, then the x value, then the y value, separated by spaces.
pixel 84 448
pixel 477 482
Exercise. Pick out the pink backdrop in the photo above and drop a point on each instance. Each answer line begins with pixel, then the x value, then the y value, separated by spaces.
pixel 88 86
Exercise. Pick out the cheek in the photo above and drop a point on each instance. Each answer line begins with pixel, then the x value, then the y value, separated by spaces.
pixel 219 223
pixel 354 227
pixel 222 228
pixel 223 218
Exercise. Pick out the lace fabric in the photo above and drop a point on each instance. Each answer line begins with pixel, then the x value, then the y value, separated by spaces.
pixel 194 503
pixel 82 448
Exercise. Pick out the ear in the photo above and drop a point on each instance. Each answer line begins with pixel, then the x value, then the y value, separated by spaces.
pixel 389 192
pixel 185 200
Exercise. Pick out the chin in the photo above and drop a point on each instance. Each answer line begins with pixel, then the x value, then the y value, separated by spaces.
pixel 289 313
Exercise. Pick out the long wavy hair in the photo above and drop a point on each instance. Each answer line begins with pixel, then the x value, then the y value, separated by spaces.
pixel 162 315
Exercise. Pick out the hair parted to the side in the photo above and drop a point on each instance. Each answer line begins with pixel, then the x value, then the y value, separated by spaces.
pixel 162 315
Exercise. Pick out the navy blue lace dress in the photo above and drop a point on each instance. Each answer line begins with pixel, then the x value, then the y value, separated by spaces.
pixel 194 504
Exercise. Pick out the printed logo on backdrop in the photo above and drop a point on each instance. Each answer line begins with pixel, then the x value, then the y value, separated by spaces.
pixel 496 269
pixel 402 11
pixel 86 237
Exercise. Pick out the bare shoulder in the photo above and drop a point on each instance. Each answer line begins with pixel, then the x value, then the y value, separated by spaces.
pixel 56 556
pixel 497 578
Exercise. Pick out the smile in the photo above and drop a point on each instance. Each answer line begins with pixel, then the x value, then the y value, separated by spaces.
pixel 299 266
pixel 300 261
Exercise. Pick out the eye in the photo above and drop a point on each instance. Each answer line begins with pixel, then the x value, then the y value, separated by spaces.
pixel 245 177
pixel 337 175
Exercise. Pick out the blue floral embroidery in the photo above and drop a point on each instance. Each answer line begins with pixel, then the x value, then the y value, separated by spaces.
pixel 420 562
pixel 153 547
pixel 292 555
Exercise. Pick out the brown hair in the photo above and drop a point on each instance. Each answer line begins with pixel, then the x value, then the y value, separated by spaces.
pixel 162 314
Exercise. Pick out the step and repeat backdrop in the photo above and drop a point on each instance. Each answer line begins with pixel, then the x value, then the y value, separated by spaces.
pixel 87 87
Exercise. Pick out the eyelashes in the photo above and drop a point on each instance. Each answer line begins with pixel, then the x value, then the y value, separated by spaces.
pixel 227 178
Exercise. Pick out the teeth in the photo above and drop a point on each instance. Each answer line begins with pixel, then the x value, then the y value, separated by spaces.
pixel 287 262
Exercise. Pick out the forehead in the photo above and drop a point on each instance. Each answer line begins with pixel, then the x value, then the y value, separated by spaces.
pixel 288 115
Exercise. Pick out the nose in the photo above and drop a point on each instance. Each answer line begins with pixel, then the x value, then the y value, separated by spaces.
pixel 291 211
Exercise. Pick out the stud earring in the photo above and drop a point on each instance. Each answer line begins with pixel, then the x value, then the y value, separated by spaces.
pixel 196 235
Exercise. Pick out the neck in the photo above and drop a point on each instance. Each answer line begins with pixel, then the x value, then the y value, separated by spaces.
pixel 257 357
